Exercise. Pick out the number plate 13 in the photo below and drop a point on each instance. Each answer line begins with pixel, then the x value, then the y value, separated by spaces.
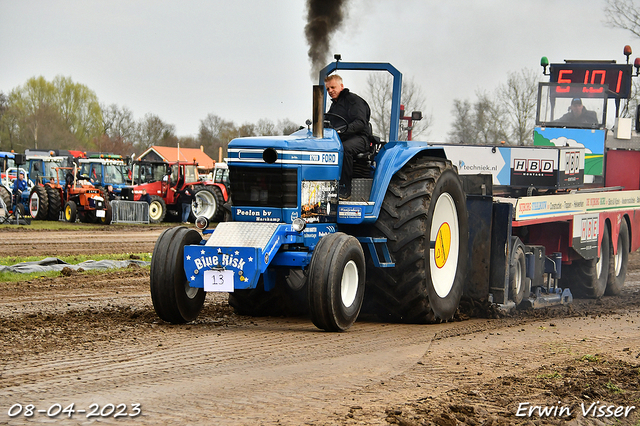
pixel 218 280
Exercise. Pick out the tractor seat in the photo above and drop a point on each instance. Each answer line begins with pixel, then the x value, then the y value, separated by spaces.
pixel 363 162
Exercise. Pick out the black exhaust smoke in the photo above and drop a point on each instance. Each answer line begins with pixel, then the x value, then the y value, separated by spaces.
pixel 323 19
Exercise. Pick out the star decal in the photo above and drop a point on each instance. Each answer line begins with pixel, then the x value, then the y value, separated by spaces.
pixel 250 259
pixel 237 252
pixel 201 251
pixel 219 250
pixel 188 257
pixel 193 278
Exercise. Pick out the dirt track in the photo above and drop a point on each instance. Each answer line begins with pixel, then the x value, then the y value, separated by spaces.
pixel 87 339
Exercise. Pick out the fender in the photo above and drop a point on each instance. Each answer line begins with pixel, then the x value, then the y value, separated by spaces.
pixel 391 158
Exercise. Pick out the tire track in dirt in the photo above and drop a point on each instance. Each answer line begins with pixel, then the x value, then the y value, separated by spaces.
pixel 286 363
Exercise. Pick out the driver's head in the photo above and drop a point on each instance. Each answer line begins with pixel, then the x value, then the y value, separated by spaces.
pixel 334 85
pixel 576 106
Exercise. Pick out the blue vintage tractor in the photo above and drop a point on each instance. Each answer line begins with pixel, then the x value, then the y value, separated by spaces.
pixel 13 207
pixel 293 246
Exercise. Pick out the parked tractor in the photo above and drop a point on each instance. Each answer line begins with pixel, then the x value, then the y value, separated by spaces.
pixel 107 171
pixel 72 194
pixel 17 205
pixel 162 182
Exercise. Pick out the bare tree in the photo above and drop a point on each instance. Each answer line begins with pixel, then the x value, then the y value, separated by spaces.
pixel 286 126
pixel 623 14
pixel 518 99
pixel 118 123
pixel 266 127
pixel 215 133
pixel 379 93
pixel 506 117
pixel 463 129
pixel 153 131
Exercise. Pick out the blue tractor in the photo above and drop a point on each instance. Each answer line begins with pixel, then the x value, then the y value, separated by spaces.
pixel 292 245
pixel 10 204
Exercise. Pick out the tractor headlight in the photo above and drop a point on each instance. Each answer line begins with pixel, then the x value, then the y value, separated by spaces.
pixel 298 224
pixel 202 222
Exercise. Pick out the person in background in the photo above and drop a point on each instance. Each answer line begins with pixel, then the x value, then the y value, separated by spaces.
pixel 578 114
pixel 185 198
pixel 19 185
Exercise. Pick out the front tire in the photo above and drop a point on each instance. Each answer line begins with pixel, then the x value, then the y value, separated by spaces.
pixel 70 211
pixel 619 262
pixel 174 300
pixel 336 282
pixel 424 218
pixel 587 278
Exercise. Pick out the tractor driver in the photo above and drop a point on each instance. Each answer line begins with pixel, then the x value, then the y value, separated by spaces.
pixel 354 130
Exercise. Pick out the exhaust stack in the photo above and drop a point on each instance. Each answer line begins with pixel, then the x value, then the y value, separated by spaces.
pixel 318 111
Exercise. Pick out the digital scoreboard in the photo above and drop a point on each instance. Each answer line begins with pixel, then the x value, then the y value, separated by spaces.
pixel 616 76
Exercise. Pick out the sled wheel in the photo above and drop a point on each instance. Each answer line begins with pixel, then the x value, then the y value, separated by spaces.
pixel 174 300
pixel 336 282
pixel 424 219
pixel 157 209
pixel 517 271
pixel 588 277
pixel 38 203
pixel 70 211
pixel 619 262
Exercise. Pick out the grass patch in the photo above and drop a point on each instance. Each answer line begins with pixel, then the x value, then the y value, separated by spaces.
pixel 590 358
pixel 554 375
pixel 612 387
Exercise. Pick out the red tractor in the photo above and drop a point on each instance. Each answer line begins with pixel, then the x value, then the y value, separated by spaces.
pixel 160 183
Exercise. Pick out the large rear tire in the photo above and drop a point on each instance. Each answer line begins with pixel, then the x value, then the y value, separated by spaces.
pixel 157 209
pixel 619 262
pixel 55 203
pixel 336 282
pixel 5 194
pixel 39 203
pixel 424 218
pixel 587 278
pixel 173 299
pixel 207 201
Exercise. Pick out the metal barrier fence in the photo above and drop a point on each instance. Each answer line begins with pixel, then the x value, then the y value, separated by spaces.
pixel 129 211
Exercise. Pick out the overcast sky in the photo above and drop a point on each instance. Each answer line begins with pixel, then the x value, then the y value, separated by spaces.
pixel 247 59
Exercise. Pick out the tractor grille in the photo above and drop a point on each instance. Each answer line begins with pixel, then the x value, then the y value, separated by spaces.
pixel 264 186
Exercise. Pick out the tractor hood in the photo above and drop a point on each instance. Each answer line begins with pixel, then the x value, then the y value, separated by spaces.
pixel 301 140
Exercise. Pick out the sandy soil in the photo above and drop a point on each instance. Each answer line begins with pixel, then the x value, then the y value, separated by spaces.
pixel 88 339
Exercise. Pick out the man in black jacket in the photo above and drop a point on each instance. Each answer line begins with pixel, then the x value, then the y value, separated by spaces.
pixel 578 114
pixel 353 126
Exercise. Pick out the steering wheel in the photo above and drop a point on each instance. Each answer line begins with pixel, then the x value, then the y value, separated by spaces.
pixel 338 129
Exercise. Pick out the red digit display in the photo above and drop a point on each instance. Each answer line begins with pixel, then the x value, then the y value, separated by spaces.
pixel 616 76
